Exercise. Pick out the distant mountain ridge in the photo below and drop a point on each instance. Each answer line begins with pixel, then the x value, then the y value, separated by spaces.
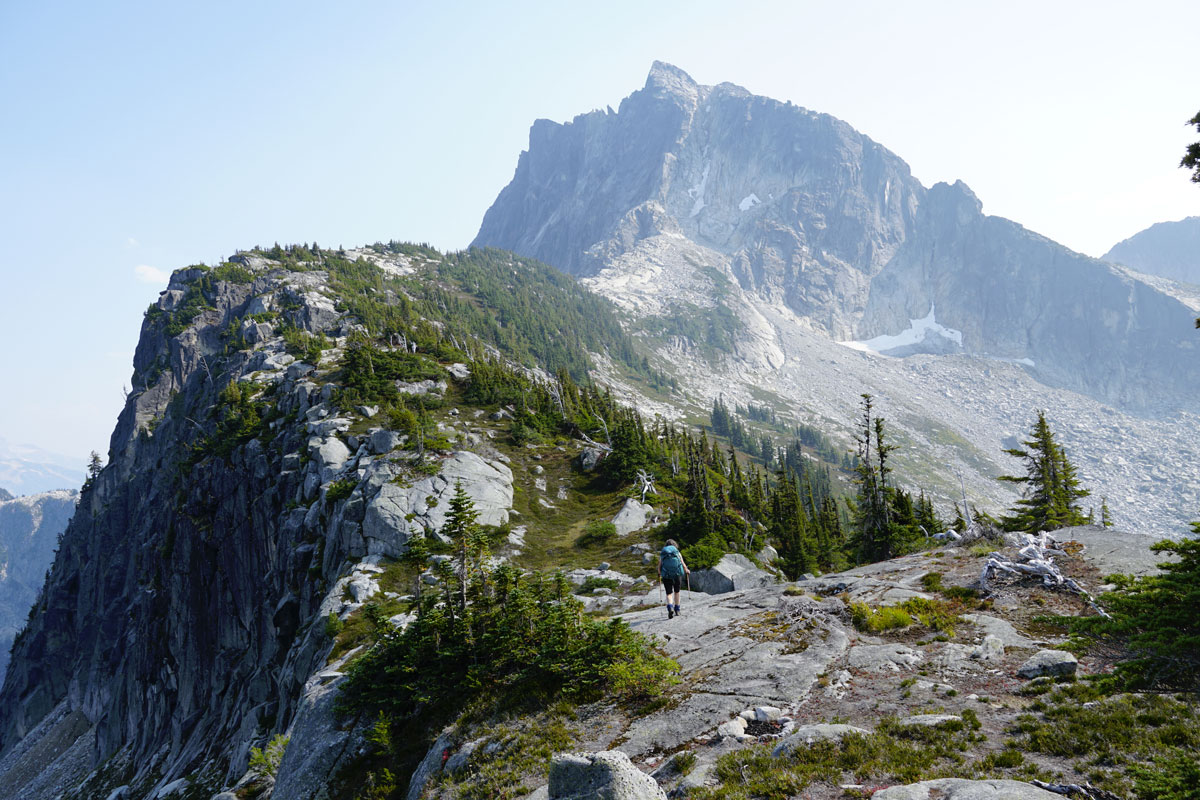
pixel 29 531
pixel 26 469
pixel 1167 249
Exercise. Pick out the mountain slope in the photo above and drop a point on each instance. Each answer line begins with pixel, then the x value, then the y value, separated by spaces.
pixel 749 240
pixel 1167 249
pixel 29 531
pixel 296 416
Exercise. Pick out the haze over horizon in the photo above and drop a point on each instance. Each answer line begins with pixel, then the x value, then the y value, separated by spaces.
pixel 144 138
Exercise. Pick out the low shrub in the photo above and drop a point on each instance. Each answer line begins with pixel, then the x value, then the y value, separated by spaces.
pixel 340 489
pixel 886 618
pixel 597 532
pixel 1125 742
pixel 594 582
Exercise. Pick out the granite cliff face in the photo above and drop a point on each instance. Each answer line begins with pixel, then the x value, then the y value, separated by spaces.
pixel 1073 321
pixel 807 215
pixel 186 610
pixel 29 531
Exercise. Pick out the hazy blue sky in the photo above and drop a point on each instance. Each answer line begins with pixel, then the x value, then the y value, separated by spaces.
pixel 139 137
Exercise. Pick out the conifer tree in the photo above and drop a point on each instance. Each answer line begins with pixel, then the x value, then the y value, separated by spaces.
pixel 464 533
pixel 882 518
pixel 1051 486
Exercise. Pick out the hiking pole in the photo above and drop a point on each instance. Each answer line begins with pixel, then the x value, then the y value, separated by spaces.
pixel 660 594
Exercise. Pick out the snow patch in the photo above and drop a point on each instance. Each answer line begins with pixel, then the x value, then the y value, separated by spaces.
pixel 887 190
pixel 749 202
pixel 697 192
pixel 919 332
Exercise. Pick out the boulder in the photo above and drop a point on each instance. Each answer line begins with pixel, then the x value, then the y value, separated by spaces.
pixel 767 713
pixel 254 333
pixel 733 572
pixel 1001 629
pixel 330 454
pixel 589 458
pixel 990 649
pixel 961 789
pixel 733 729
pixel 633 516
pixel 299 369
pixel 385 441
pixel 607 775
pixel 1051 663
pixel 808 734
pixel 767 555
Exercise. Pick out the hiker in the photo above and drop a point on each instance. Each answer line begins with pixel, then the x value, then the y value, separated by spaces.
pixel 671 569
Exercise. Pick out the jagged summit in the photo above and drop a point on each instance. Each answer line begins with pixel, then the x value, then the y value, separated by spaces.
pixel 670 78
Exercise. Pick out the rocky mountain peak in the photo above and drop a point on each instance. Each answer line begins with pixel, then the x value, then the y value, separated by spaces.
pixel 1166 249
pixel 670 79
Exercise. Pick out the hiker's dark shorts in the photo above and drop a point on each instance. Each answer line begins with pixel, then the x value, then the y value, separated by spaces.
pixel 672 584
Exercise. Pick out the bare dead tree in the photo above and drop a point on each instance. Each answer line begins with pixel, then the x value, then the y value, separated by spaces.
pixel 646 482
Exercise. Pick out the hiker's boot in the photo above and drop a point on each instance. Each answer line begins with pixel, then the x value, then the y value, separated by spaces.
pixel 677 612
pixel 670 611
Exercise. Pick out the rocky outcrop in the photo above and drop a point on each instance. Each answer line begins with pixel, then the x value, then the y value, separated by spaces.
pixel 29 531
pixel 396 512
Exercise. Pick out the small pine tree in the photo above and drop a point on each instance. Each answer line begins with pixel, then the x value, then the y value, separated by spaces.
pixel 882 517
pixel 463 531
pixel 1051 487
pixel 94 467
pixel 1154 621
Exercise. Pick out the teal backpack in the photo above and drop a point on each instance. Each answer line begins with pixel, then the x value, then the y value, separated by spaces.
pixel 672 562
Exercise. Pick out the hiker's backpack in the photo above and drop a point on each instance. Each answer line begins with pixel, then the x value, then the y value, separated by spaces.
pixel 672 562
